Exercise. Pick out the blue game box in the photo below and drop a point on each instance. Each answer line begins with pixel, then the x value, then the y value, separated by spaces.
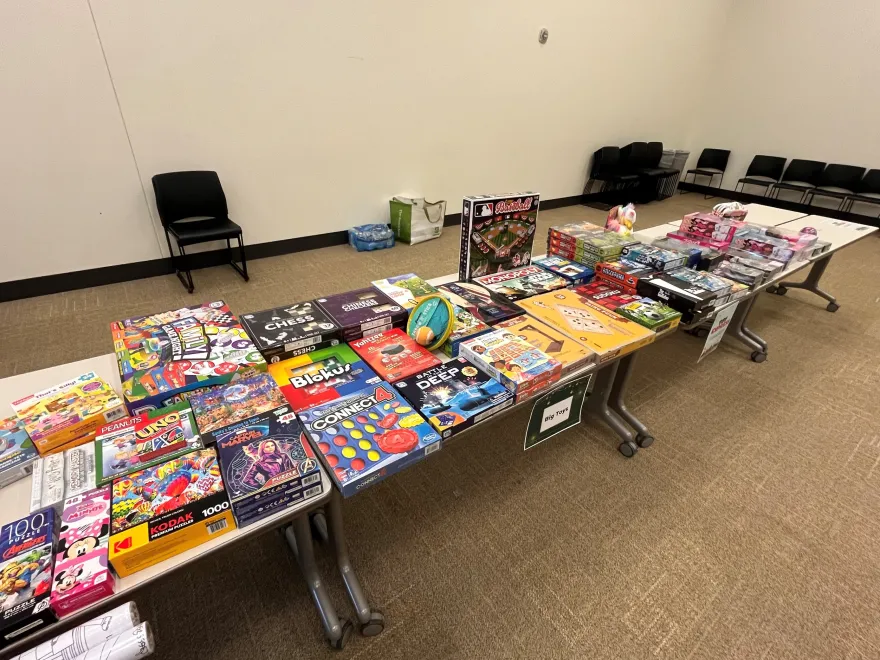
pixel 572 271
pixel 17 452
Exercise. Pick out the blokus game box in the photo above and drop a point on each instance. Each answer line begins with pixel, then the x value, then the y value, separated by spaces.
pixel 221 406
pixel 466 326
pixel 17 452
pixel 497 233
pixel 285 332
pixel 138 442
pixel 522 282
pixel 405 290
pixel 454 396
pixel 482 303
pixel 393 354
pixel 367 436
pixel 62 475
pixel 163 510
pixel 163 357
pixel 622 274
pixel 363 312
pixel 322 376
pixel 569 353
pixel 573 272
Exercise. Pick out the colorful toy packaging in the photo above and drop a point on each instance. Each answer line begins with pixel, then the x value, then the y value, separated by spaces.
pixel 285 332
pixel 367 436
pixel 622 274
pixel 719 246
pixel 739 273
pixel 431 321
pixel 700 257
pixel 621 220
pixel 363 312
pixel 497 233
pixel 768 266
pixel 522 282
pixel 164 357
pixel 60 476
pixel 393 354
pixel 454 396
pixel 138 442
pixel 466 326
pixel 222 406
pixel 163 510
pixel 605 246
pixel 651 314
pixel 572 234
pixel 569 353
pixel 82 574
pixel 654 257
pixel 713 283
pixel 405 290
pixel 606 294
pixel 479 301
pixel 573 272
pixel 17 452
pixel 69 413
pixel 709 226
pixel 322 376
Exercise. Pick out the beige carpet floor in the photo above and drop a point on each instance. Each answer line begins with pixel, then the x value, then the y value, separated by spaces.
pixel 749 530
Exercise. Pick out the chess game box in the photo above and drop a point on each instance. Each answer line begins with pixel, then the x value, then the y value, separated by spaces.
pixel 62 475
pixel 363 312
pixel 285 332
pixel 654 257
pixel 622 274
pixel 164 357
pixel 405 290
pixel 520 283
pixel 572 355
pixel 393 354
pixel 466 326
pixel 222 406
pixel 497 233
pixel 454 396
pixel 17 452
pixel 573 272
pixel 479 301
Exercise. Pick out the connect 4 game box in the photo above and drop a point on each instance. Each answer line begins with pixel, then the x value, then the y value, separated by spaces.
pixel 222 406
pixel 565 350
pixel 285 332
pixel 393 354
pixel 497 233
pixel 522 282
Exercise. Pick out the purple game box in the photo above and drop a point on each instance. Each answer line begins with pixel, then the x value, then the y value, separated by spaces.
pixel 363 312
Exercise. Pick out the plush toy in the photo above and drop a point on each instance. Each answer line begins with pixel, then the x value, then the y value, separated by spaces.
pixel 621 220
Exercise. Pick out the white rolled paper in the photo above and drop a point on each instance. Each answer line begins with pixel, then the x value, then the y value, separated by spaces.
pixel 132 644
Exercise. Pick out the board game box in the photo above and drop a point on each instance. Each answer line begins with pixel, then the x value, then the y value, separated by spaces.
pixel 573 231
pixel 59 476
pixel 82 575
pixel 26 553
pixel 654 257
pixel 138 442
pixel 17 452
pixel 221 406
pixel 573 272
pixel 69 413
pixel 393 354
pixel 367 436
pixel 163 510
pixel 515 363
pixel 322 376
pixel 285 332
pixel 497 233
pixel 466 326
pixel 572 355
pixel 363 312
pixel 606 294
pixel 600 329
pixel 718 285
pixel 405 290
pixel 522 282
pixel 479 301
pixel 681 295
pixel 622 274
pixel 454 396
pixel 651 314
pixel 164 357
pixel 738 272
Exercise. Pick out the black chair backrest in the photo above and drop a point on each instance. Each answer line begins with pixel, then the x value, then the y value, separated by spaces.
pixel 654 154
pixel 634 156
pixel 181 195
pixel 841 176
pixel 715 158
pixel 605 161
pixel 770 166
pixel 807 171
pixel 870 183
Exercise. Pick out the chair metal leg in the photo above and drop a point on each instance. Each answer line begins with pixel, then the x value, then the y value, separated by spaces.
pixel 241 270
pixel 188 280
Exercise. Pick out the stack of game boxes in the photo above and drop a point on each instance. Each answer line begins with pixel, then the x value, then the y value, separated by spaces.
pixel 519 283
pixel 707 229
pixel 646 312
pixel 700 257
pixel 622 274
pixel 691 292
pixel 586 247
pixel 774 243
pixel 573 272
pixel 363 312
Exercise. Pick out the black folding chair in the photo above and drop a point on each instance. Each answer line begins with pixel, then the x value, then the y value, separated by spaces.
pixel 712 162
pixel 764 171
pixel 192 208
pixel 800 176
pixel 867 191
pixel 837 182
pixel 606 169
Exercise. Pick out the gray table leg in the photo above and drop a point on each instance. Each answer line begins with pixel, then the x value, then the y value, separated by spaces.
pixel 598 403
pixel 811 283
pixel 643 437
pixel 739 331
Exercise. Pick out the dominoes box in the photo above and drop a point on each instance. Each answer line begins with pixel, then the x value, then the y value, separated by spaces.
pixel 285 332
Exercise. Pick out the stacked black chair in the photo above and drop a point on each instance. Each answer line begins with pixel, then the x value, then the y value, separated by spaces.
pixel 800 176
pixel 192 208
pixel 837 182
pixel 866 191
pixel 764 171
pixel 607 170
pixel 712 162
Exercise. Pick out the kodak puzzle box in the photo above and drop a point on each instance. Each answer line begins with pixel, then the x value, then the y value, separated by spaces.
pixel 285 332
pixel 393 354
pixel 572 355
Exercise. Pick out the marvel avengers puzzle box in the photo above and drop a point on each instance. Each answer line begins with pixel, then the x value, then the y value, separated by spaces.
pixel 520 283
pixel 497 233
pixel 285 332
pixel 393 354
pixel 222 406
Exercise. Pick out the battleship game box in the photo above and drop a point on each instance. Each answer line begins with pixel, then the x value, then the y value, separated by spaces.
pixel 166 509
pixel 622 274
pixel 63 475
pixel 363 312
pixel 654 257
pixel 454 396
pixel 17 452
pixel 367 436
pixel 393 354
pixel 651 314
pixel 322 376
pixel 405 290
pixel 680 295
pixel 515 363
pixel 479 301
pixel 522 282
pixel 164 357
pixel 466 326
pixel 285 332
pixel 222 406
pixel 138 442
pixel 26 553
pixel 569 353
pixel 573 272
pixel 497 233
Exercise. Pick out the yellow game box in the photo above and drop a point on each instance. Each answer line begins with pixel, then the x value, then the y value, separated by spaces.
pixel 608 334
pixel 572 355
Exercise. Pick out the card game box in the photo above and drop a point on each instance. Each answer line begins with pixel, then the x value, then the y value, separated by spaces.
pixel 466 326
pixel 573 272
pixel 679 294
pixel 454 396
pixel 520 283
pixel 138 442
pixel 601 330
pixel 62 475
pixel 285 332
pixel 26 553
pixel 68 413
pixel 163 357
pixel 654 257
pixel 163 510
pixel 565 350
pixel 322 376
pixel 367 436
pixel 225 405
pixel 708 281
pixel 479 301
pixel 622 274
pixel 516 364
pixel 405 290
pixel 363 312
pixel 82 575
pixel 497 233
pixel 17 452
pixel 393 354
pixel 651 314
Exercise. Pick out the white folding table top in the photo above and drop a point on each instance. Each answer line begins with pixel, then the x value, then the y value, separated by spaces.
pixel 837 232
pixel 770 216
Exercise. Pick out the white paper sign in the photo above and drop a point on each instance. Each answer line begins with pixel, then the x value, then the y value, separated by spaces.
pixel 719 327
pixel 556 414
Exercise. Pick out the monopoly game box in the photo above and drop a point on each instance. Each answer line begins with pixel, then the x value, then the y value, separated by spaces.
pixel 572 355
pixel 520 283
pixel 285 332
pixel 393 354
pixel 497 233
pixel 363 312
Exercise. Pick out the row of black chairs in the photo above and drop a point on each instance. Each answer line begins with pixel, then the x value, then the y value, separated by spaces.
pixel 634 168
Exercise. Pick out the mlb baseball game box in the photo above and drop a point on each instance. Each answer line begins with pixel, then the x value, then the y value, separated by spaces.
pixel 363 312
pixel 479 301
pixel 573 272
pixel 454 396
pixel 466 325
pixel 405 290
pixel 285 332
pixel 622 274
pixel 222 406
pixel 572 355
pixel 520 283
pixel 17 452
pixel 497 233
pixel 393 354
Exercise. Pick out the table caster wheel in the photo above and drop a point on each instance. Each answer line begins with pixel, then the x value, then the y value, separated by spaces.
pixel 375 626
pixel 832 307
pixel 644 440
pixel 701 333
pixel 628 448
pixel 347 629
pixel 758 356
pixel 780 290
pixel 771 289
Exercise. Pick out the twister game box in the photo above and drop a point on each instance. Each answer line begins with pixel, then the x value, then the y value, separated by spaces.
pixel 522 282
pixel 405 290
pixel 367 436
pixel 221 406
pixel 17 452
pixel 565 350
pixel 285 332
pixel 393 354
pixel 163 357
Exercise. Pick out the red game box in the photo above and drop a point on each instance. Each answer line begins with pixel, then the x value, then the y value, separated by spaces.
pixel 622 274
pixel 607 295
pixel 393 354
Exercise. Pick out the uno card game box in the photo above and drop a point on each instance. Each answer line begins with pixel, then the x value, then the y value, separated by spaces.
pixel 26 553
pixel 163 357
pixel 393 354
pixel 163 510
pixel 680 295
pixel 135 443
pixel 59 476
pixel 479 301
pixel 516 364
pixel 363 312
pixel 520 283
pixel 225 405
pixel 654 257
pixel 285 332
pixel 569 353
pixel 367 436
pixel 601 330
pixel 651 314
pixel 466 326
pixel 405 290
pixel 497 233
pixel 17 452
pixel 622 274
pixel 69 413
pixel 573 272
pixel 82 575
pixel 454 396
pixel 322 376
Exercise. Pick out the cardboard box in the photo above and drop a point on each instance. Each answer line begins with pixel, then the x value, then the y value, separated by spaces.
pixel 285 332
pixel 406 290
pixel 235 402
pixel 622 274
pixel 60 476
pixel 708 281
pixel 393 354
pixel 363 312
pixel 497 233
pixel 520 283
pixel 479 301
pixel 654 257
pixel 573 272
pixel 681 295
pixel 651 314
pixel 572 355
pixel 17 452
pixel 466 326
pixel 606 294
